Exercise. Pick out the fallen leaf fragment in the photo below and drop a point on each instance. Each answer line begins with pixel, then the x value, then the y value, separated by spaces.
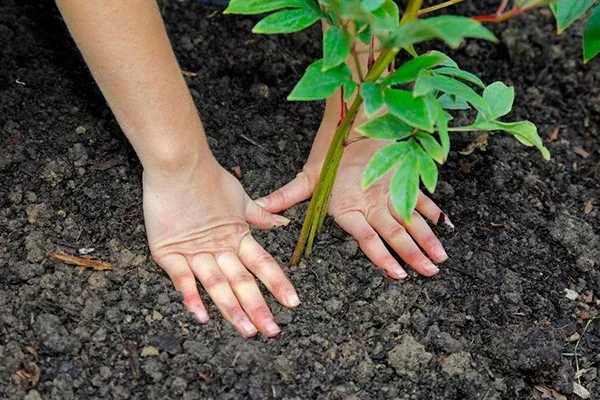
pixel 587 207
pixel 28 377
pixel 549 393
pixel 581 391
pixel 189 74
pixel 480 143
pixel 496 225
pixel 97 265
pixel 580 152
pixel 237 170
pixel 580 373
pixel 571 294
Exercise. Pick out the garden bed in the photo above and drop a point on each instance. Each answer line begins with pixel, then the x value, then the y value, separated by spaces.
pixel 494 324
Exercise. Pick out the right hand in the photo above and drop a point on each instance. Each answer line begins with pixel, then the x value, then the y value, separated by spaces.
pixel 197 227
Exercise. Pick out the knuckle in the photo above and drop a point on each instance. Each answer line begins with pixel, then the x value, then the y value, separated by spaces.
pixel 396 231
pixel 260 312
pixel 415 257
pixel 263 259
pixel 213 281
pixel 367 236
pixel 242 278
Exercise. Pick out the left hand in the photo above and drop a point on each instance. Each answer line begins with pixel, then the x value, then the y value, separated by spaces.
pixel 367 215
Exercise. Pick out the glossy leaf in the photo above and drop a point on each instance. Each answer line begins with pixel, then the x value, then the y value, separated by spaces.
pixel 349 89
pixel 382 161
pixel 260 6
pixel 411 110
pixel 404 186
pixel 317 84
pixel 451 102
pixel 500 98
pixel 371 5
pixel 287 21
pixel 409 71
pixel 459 73
pixel 452 29
pixel 386 127
pixel 336 47
pixel 442 127
pixel 524 131
pixel 373 97
pixel 431 146
pixel 591 36
pixel 428 83
pixel 428 171
pixel 569 11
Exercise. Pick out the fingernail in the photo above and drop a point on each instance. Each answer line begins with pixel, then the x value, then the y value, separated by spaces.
pixel 262 202
pixel 202 317
pixel 431 268
pixel 272 328
pixel 440 253
pixel 247 328
pixel 292 299
pixel 281 220
pixel 399 272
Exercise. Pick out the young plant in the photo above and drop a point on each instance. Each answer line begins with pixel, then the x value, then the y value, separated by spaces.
pixel 410 108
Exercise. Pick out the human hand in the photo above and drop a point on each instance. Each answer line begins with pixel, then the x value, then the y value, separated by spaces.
pixel 197 227
pixel 367 215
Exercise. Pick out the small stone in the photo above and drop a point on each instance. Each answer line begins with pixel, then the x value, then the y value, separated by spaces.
pixel 32 395
pixel 574 337
pixel 80 130
pixel 333 306
pixel 51 333
pixel 149 351
pixel 571 294
pixel 156 316
pixel 260 91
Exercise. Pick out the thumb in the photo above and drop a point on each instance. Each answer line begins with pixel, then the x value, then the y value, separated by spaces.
pixel 295 191
pixel 258 216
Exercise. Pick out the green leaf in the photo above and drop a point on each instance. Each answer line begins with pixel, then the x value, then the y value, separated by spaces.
pixel 459 73
pixel 452 29
pixel 569 11
pixel 500 98
pixel 428 83
pixel 336 47
pixel 386 127
pixel 382 161
pixel 413 111
pixel 409 71
pixel 371 5
pixel 349 88
pixel 442 127
pixel 591 36
pixel 404 186
pixel 373 97
pixel 524 131
pixel 451 102
pixel 433 148
pixel 260 6
pixel 428 171
pixel 363 31
pixel 317 84
pixel 287 21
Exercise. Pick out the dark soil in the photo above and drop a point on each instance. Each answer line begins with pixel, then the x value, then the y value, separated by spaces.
pixel 493 325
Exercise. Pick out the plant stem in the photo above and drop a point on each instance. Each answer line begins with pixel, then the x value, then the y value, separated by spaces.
pixel 317 209
pixel 438 7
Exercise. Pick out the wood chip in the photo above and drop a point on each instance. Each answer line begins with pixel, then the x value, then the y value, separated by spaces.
pixel 554 134
pixel 587 207
pixel 189 74
pixel 580 373
pixel 97 265
pixel 495 225
pixel 149 351
pixel 580 152
pixel 205 377
pixel 237 170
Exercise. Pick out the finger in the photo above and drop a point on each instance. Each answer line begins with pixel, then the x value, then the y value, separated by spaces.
pixel 428 208
pixel 246 290
pixel 295 191
pixel 369 241
pixel 423 235
pixel 258 216
pixel 261 264
pixel 217 286
pixel 176 266
pixel 399 239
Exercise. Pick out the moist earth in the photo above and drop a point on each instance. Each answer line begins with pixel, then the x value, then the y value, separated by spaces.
pixel 496 323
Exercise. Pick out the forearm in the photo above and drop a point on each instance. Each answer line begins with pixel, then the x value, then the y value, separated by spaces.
pixel 128 52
